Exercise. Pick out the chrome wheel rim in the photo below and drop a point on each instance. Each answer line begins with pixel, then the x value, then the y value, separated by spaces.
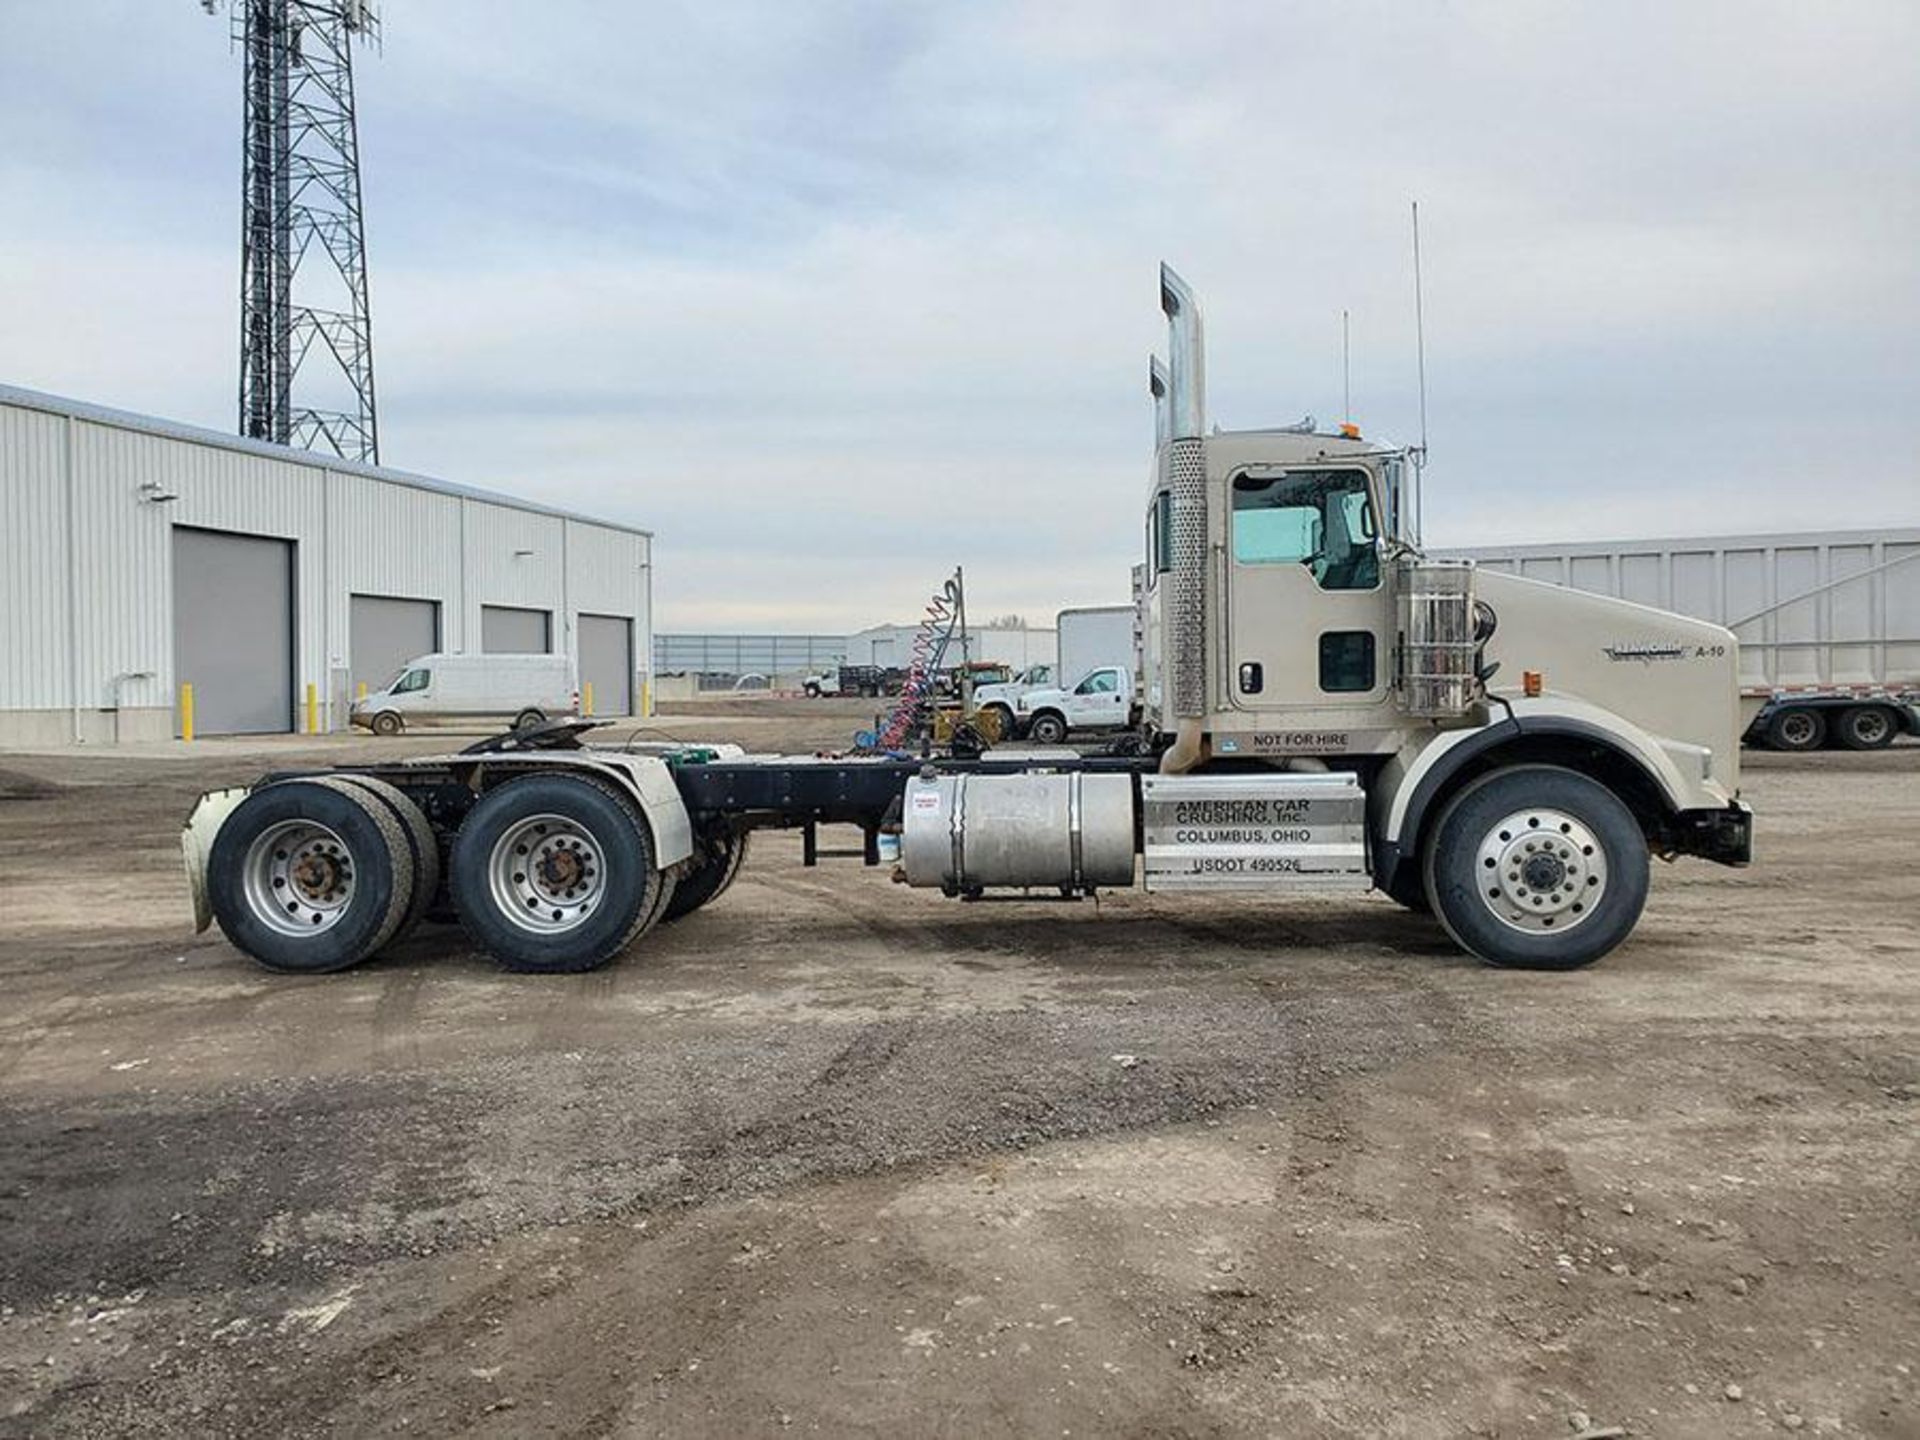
pixel 547 874
pixel 299 878
pixel 1541 871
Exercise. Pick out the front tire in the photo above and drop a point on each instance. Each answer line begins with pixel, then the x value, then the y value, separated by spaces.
pixel 1797 728
pixel 387 723
pixel 1867 727
pixel 1537 868
pixel 1048 728
pixel 554 874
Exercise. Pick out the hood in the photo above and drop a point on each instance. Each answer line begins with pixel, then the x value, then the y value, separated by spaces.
pixel 1675 677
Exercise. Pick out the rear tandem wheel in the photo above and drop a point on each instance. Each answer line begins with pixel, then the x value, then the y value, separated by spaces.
pixel 554 874
pixel 310 876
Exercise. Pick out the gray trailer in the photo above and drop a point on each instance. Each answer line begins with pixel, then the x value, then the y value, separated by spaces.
pixel 1828 623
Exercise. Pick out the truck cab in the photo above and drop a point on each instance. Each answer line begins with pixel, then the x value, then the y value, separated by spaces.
pixel 1294 624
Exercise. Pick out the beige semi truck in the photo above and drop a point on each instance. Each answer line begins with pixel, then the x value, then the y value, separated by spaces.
pixel 1324 709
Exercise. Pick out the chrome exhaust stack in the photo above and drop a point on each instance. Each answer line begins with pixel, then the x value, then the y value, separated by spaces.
pixel 1185 476
pixel 1158 385
pixel 1187 357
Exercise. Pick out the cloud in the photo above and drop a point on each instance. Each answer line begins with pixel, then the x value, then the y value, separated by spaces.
pixel 836 296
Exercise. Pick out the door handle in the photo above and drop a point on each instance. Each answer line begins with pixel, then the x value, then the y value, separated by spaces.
pixel 1252 677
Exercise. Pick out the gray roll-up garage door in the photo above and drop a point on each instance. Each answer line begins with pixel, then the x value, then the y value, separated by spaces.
pixel 233 630
pixel 384 632
pixel 606 662
pixel 507 630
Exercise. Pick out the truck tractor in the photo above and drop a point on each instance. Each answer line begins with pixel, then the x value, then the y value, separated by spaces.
pixel 1324 709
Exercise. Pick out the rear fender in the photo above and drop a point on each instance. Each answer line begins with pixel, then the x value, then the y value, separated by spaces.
pixel 645 779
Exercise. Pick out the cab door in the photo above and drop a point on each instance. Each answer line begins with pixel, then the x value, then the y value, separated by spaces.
pixel 1310 619
pixel 1098 700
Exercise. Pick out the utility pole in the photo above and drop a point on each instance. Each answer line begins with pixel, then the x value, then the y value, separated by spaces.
pixel 306 330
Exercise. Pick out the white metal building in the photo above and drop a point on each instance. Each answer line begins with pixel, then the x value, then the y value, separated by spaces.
pixel 137 554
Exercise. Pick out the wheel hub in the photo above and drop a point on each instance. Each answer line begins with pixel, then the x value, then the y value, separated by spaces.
pixel 547 874
pixel 299 877
pixel 1541 870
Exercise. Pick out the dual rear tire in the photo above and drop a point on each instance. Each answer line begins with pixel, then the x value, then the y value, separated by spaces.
pixel 312 876
pixel 554 874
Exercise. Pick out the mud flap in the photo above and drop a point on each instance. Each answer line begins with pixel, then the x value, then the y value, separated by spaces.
pixel 196 844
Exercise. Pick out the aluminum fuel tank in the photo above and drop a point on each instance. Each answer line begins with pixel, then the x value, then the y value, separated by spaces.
pixel 972 832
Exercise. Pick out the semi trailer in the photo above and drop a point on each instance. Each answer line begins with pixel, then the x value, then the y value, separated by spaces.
pixel 1324 708
pixel 1828 622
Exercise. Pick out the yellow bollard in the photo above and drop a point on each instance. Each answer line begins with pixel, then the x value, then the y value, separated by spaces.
pixel 360 691
pixel 646 697
pixel 186 712
pixel 586 699
pixel 313 708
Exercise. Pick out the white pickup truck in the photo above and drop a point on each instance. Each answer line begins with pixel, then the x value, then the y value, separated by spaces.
pixel 1004 696
pixel 1102 700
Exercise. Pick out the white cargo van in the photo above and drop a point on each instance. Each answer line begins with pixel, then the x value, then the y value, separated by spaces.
pixel 441 689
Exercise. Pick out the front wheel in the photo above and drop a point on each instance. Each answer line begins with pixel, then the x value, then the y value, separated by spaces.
pixel 1048 728
pixel 1537 868
pixel 386 723
pixel 554 874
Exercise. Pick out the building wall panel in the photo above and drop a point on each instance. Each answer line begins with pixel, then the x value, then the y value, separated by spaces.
pixel 390 540
pixel 34 590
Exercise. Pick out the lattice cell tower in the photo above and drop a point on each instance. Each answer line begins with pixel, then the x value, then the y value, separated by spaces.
pixel 306 334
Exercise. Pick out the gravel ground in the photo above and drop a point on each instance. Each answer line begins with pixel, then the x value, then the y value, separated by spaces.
pixel 840 1158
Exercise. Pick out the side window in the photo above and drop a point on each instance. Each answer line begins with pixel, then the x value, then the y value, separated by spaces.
pixel 1322 519
pixel 1101 682
pixel 413 680
pixel 1159 537
pixel 1346 661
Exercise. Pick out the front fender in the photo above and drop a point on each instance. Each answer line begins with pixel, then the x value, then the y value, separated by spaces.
pixel 1415 776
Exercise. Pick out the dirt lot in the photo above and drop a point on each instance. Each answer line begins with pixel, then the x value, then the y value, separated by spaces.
pixel 835 1157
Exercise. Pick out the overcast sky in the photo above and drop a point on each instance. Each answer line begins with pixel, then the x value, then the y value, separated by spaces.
pixel 834 296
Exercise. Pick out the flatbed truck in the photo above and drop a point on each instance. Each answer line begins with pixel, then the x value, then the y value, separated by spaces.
pixel 1325 708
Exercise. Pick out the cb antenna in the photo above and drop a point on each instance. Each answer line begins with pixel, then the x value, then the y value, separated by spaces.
pixel 1346 370
pixel 1420 362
